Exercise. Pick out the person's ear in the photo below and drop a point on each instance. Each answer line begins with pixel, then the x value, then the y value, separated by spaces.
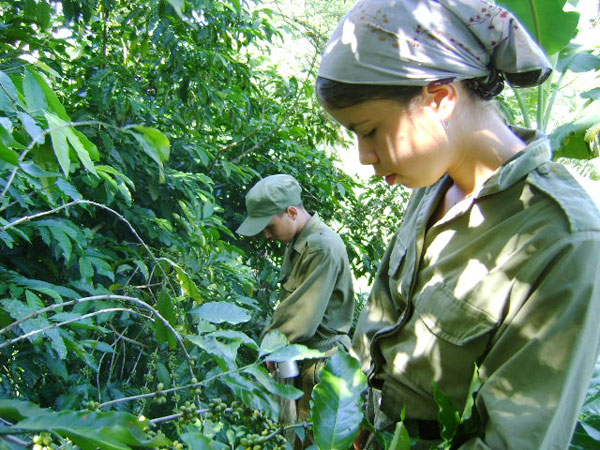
pixel 442 99
pixel 292 211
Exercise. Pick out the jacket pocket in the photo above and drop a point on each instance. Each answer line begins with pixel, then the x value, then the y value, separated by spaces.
pixel 451 319
pixel 289 284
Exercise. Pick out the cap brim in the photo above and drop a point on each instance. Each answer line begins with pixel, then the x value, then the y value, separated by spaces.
pixel 253 225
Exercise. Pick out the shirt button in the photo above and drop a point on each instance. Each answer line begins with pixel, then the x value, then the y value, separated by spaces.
pixel 544 168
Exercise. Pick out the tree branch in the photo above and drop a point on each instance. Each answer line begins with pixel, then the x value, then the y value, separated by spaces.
pixel 99 205
pixel 97 297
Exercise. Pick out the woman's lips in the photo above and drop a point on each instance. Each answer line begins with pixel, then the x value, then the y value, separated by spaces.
pixel 390 179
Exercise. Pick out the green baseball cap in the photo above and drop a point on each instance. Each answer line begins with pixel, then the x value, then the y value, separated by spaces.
pixel 267 198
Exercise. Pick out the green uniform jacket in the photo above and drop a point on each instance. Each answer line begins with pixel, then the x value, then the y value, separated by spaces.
pixel 509 279
pixel 317 299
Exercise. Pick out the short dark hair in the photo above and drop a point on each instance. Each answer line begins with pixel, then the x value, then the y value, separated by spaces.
pixel 337 95
pixel 298 206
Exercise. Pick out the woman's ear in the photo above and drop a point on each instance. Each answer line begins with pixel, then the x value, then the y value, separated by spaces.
pixel 441 98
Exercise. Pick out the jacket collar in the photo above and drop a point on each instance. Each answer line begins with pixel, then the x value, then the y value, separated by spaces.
pixel 298 244
pixel 313 223
pixel 535 154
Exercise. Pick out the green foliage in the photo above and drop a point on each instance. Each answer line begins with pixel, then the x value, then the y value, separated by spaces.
pixel 129 133
pixel 401 439
pixel 87 429
pixel 575 133
pixel 337 411
pixel 121 283
pixel 546 21
pixel 587 432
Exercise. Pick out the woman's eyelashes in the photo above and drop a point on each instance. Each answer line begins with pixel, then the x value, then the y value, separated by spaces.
pixel 370 134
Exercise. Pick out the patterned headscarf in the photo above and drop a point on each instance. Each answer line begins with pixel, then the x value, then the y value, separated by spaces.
pixel 416 42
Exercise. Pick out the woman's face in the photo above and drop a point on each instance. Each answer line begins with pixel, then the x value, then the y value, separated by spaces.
pixel 404 144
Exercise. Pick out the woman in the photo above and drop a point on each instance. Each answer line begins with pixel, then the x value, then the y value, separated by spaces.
pixel 496 263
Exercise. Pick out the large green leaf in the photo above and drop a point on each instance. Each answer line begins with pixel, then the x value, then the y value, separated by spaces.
pixel 8 87
pixel 577 139
pixel 53 290
pixel 269 383
pixel 8 155
pixel 219 312
pixel 89 430
pixel 401 438
pixel 294 352
pixel 154 143
pixel 34 94
pixel 577 60
pixel 53 103
pixel 6 136
pixel 17 410
pixel 81 150
pixel 272 341
pixel 58 135
pixel 448 414
pixel 178 6
pixel 593 94
pixel 61 133
pixel 197 441
pixel 546 21
pixel 234 335
pixel 30 125
pixel 187 284
pixel 252 394
pixel 64 243
pixel 166 309
pixel 337 410
pixel 224 353
pixel 19 310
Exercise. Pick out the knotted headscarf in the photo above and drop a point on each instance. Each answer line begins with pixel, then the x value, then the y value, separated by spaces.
pixel 416 42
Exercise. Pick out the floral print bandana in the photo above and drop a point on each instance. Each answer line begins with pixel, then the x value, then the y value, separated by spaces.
pixel 416 42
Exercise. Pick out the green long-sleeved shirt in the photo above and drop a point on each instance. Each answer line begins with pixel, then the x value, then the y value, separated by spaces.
pixel 509 279
pixel 317 297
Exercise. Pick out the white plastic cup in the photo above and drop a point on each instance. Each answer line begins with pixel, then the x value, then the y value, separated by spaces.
pixel 287 369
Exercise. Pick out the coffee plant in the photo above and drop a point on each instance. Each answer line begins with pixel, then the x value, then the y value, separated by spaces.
pixel 130 313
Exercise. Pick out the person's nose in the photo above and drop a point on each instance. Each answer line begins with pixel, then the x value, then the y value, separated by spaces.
pixel 366 152
pixel 268 234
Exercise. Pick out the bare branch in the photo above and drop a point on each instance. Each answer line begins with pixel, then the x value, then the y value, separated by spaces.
pixel 126 339
pixel 66 322
pixel 98 297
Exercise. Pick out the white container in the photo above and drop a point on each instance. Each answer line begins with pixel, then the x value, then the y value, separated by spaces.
pixel 287 369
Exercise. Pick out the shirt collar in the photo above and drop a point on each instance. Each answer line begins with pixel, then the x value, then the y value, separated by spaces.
pixel 536 153
pixel 313 223
pixel 516 168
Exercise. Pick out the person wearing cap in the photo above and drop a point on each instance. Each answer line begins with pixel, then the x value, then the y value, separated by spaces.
pixel 316 294
pixel 495 265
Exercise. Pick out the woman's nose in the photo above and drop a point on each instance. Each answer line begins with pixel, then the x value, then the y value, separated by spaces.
pixel 366 153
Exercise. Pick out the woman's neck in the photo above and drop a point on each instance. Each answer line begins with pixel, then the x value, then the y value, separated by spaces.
pixel 481 147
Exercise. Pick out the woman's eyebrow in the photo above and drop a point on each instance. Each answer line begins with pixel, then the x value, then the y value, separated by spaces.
pixel 352 126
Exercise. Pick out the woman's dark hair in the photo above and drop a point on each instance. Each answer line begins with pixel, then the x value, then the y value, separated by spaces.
pixel 337 95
